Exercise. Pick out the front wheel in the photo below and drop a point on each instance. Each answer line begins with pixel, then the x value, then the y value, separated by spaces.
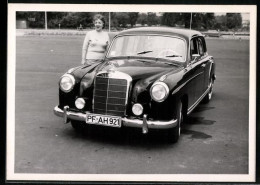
pixel 174 133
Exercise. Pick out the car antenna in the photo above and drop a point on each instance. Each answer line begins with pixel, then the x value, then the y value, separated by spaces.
pixel 190 20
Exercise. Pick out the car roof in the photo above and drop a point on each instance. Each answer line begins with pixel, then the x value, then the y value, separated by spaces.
pixel 184 33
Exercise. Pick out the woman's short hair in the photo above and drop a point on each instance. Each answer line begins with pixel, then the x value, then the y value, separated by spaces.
pixel 100 17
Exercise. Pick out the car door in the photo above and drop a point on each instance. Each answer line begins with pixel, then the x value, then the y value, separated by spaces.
pixel 194 74
pixel 204 65
pixel 198 66
pixel 207 62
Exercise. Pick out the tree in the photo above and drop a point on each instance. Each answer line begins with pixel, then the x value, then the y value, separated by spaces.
pixel 152 19
pixel 133 16
pixel 56 15
pixel 199 21
pixel 221 23
pixel 85 19
pixel 209 20
pixel 188 21
pixel 234 20
pixel 174 19
pixel 69 21
pixel 114 22
pixel 34 19
pixel 74 19
pixel 142 19
pixel 54 18
pixel 122 19
pixel 21 15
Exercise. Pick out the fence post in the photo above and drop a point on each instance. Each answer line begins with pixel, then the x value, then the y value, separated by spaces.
pixel 109 21
pixel 46 27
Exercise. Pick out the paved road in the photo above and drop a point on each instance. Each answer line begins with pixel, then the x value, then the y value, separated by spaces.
pixel 215 141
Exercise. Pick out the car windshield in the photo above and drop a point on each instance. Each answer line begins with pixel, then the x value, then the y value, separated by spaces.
pixel 170 48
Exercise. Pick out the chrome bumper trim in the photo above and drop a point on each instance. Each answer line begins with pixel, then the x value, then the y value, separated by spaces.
pixel 144 124
pixel 69 115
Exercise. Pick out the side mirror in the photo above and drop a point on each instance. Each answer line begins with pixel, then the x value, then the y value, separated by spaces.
pixel 194 56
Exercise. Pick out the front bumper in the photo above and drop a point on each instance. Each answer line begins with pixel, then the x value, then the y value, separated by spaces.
pixel 144 124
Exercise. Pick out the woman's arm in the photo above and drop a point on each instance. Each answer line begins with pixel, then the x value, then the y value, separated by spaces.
pixel 85 48
pixel 108 42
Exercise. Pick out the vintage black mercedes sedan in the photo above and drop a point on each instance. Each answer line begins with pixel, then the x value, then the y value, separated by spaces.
pixel 151 78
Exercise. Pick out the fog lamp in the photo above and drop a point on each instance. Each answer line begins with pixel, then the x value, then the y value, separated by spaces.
pixel 137 109
pixel 80 103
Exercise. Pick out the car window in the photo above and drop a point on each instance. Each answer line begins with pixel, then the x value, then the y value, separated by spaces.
pixel 170 48
pixel 197 46
pixel 193 47
pixel 201 47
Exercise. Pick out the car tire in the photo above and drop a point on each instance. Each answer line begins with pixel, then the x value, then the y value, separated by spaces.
pixel 79 126
pixel 174 133
pixel 208 97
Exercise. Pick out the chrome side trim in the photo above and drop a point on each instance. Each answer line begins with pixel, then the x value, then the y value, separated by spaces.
pixel 198 101
pixel 144 124
pixel 211 64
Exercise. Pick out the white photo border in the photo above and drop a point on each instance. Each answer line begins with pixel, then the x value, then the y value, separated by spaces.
pixel 11 66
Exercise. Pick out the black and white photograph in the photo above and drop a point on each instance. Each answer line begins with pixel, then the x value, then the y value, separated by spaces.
pixel 144 93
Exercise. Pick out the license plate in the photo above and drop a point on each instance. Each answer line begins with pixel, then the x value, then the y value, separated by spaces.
pixel 97 119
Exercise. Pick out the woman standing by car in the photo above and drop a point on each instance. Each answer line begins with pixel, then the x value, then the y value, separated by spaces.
pixel 95 42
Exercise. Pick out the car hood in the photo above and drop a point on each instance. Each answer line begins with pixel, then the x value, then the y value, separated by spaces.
pixel 143 72
pixel 137 68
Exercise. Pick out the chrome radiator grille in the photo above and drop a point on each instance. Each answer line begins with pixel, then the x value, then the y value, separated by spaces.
pixel 110 96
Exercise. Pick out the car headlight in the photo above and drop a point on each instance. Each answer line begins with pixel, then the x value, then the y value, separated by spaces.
pixel 67 82
pixel 159 91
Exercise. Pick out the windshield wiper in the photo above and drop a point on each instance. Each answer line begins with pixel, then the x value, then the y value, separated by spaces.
pixel 144 52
